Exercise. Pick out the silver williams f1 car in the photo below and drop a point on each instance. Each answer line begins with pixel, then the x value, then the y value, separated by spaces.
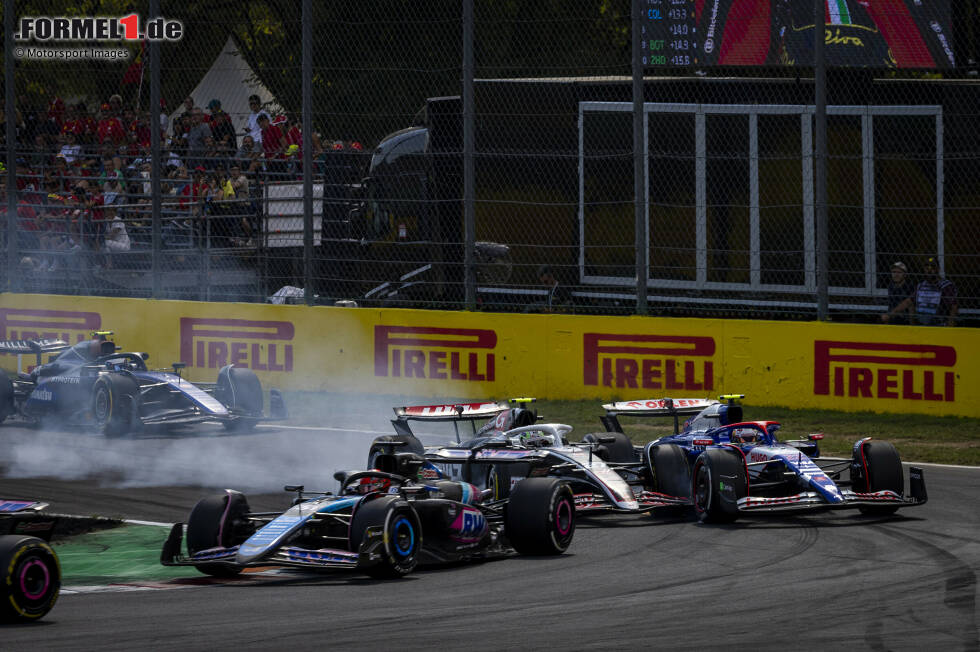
pixel 94 384
pixel 511 446
pixel 727 467
pixel 380 523
pixel 30 575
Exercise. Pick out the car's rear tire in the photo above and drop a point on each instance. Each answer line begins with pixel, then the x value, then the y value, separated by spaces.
pixel 718 480
pixel 540 517
pixel 30 578
pixel 218 521
pixel 669 471
pixel 239 389
pixel 879 468
pixel 619 451
pixel 115 404
pixel 402 534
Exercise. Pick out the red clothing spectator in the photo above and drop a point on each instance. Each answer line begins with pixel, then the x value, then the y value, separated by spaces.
pixel 195 191
pixel 110 128
pixel 273 142
pixel 56 111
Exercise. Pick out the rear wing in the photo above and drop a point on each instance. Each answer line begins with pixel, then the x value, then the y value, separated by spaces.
pixel 657 407
pixel 37 347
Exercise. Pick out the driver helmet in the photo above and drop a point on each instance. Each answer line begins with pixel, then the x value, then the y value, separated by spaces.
pixel 368 485
pixel 535 439
pixel 745 435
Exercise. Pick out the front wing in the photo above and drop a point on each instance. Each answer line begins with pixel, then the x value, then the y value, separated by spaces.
pixel 648 500
pixel 287 556
pixel 851 499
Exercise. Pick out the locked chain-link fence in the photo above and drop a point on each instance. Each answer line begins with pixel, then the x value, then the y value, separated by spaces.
pixel 546 218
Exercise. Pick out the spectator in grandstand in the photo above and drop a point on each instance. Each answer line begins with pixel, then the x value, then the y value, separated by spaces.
pixel 116 237
pixel 558 298
pixel 251 126
pixel 27 180
pixel 934 299
pixel 54 117
pixel 900 289
pixel 196 138
pixel 213 157
pixel 249 155
pixel 110 129
pixel 221 128
pixel 273 141
pixel 194 192
pixel 71 150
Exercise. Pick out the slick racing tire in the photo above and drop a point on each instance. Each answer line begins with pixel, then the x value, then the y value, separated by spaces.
pixel 115 404
pixel 540 517
pixel 719 479
pixel 30 578
pixel 669 471
pixel 619 451
pixel 402 540
pixel 218 521
pixel 879 468
pixel 241 392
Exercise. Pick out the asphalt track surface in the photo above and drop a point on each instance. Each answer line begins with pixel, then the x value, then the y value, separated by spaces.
pixel 838 580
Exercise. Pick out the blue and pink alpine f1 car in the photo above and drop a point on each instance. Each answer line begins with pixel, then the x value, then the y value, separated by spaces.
pixel 382 523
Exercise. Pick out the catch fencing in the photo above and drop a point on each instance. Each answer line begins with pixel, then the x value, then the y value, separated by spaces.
pixel 485 155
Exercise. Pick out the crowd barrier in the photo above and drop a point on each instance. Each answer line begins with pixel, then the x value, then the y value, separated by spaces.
pixel 850 367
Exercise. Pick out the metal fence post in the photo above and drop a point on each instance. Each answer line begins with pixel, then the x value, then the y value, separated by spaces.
pixel 307 73
pixel 820 157
pixel 469 170
pixel 639 169
pixel 11 154
pixel 156 155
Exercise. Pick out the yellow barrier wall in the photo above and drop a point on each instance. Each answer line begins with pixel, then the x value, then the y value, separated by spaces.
pixel 488 355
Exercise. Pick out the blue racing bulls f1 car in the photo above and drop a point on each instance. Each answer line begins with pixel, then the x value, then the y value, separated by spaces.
pixel 30 575
pixel 94 384
pixel 725 466
pixel 381 523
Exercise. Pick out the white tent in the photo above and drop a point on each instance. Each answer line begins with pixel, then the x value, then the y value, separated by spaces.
pixel 231 81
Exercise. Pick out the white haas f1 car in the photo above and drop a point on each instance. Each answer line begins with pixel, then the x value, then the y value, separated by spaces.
pixel 94 384
pixel 30 575
pixel 725 466
pixel 511 446
pixel 380 523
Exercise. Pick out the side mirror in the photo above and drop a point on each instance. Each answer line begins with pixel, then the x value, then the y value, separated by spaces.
pixel 145 356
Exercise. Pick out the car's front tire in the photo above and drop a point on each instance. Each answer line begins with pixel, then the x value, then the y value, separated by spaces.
pixel 876 466
pixel 719 479
pixel 115 404
pixel 218 521
pixel 240 390
pixel 402 538
pixel 540 517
